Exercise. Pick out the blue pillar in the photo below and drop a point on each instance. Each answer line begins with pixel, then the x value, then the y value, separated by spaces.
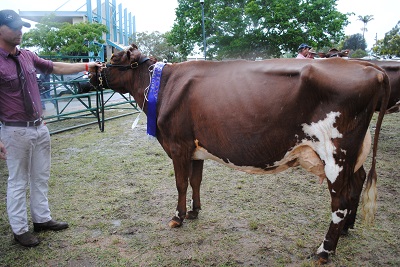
pixel 99 12
pixel 121 39
pixel 114 20
pixel 89 10
pixel 125 27
pixel 130 27
pixel 107 7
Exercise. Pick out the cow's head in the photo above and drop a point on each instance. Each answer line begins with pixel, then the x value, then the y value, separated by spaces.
pixel 117 74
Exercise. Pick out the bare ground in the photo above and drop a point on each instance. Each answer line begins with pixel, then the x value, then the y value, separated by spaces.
pixel 117 191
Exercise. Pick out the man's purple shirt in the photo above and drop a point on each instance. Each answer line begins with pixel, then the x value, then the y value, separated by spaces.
pixel 11 97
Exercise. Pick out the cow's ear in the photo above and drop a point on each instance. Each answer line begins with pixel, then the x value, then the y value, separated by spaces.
pixel 128 54
pixel 134 46
pixel 134 55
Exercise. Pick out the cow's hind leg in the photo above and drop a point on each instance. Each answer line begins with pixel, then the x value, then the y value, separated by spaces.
pixel 182 170
pixel 195 182
pixel 340 192
pixel 356 187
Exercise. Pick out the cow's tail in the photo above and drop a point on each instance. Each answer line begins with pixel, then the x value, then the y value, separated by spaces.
pixel 369 205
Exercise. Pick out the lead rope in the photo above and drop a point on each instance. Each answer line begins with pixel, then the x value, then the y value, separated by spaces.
pixel 146 92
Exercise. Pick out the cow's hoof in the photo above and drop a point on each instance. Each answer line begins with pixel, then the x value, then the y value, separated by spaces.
pixel 319 259
pixel 322 258
pixel 192 215
pixel 175 222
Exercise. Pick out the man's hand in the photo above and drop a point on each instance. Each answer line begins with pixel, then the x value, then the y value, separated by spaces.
pixel 95 66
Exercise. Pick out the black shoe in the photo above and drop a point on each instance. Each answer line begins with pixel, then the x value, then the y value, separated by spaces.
pixel 50 225
pixel 27 239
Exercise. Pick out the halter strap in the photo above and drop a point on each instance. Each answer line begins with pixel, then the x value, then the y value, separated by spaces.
pixel 133 65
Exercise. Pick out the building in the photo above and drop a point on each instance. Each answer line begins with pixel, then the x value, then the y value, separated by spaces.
pixel 120 23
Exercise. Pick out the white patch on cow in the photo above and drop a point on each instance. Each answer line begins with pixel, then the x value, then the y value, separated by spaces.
pixel 202 154
pixel 315 155
pixel 322 249
pixel 333 191
pixel 324 131
pixel 335 218
pixel 365 148
pixel 302 153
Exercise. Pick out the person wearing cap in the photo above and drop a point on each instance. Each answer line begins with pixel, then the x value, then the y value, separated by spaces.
pixel 25 139
pixel 303 51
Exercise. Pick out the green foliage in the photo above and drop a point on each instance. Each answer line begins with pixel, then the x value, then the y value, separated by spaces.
pixel 68 39
pixel 355 42
pixel 359 53
pixel 256 28
pixel 44 36
pixel 390 45
pixel 81 38
pixel 155 44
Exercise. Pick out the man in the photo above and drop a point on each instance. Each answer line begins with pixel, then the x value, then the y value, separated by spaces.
pixel 44 89
pixel 25 139
pixel 311 53
pixel 303 51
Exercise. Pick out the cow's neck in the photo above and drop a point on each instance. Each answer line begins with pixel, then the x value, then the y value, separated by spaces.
pixel 141 82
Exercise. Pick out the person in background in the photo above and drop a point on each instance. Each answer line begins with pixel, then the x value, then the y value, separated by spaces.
pixel 25 139
pixel 303 51
pixel 311 53
pixel 44 89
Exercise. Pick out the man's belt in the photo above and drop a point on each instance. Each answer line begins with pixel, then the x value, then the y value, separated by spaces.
pixel 34 123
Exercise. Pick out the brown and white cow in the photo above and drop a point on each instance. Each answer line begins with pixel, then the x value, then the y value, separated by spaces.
pixel 264 117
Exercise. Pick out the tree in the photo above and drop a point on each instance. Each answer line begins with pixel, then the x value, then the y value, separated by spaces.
pixel 155 44
pixel 81 38
pixel 52 38
pixel 390 44
pixel 355 42
pixel 365 20
pixel 44 36
pixel 359 53
pixel 256 28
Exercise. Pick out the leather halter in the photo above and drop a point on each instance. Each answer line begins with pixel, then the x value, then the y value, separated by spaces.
pixel 100 87
pixel 133 65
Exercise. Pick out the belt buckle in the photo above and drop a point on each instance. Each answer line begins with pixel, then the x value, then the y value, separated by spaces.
pixel 37 122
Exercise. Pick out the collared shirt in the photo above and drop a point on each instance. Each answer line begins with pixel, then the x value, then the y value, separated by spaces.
pixel 11 96
pixel 300 56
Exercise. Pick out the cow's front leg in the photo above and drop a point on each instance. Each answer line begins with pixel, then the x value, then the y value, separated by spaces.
pixel 195 181
pixel 182 170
